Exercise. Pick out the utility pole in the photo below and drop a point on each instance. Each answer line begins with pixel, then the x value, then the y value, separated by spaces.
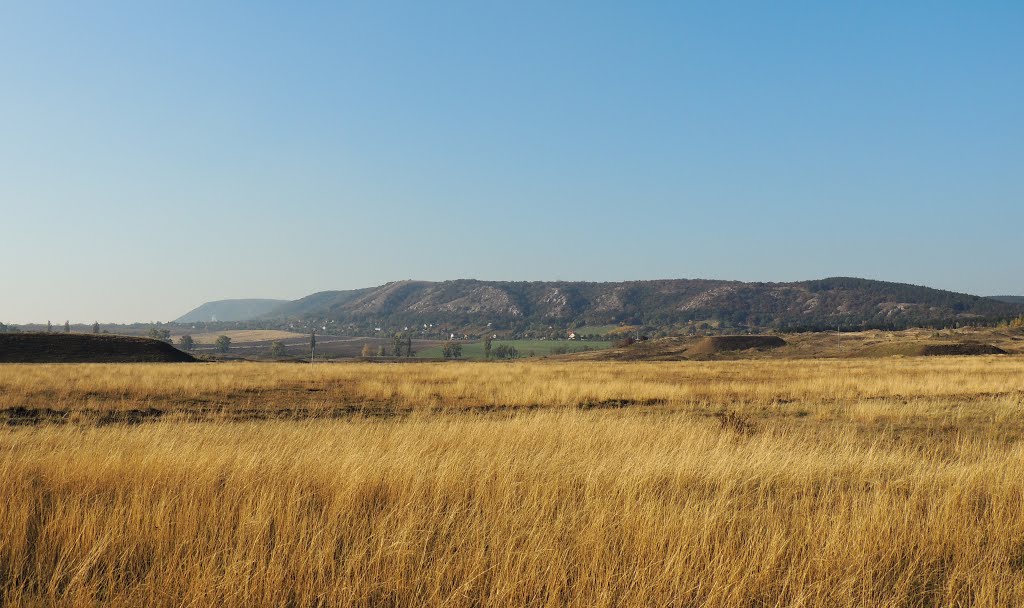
pixel 312 344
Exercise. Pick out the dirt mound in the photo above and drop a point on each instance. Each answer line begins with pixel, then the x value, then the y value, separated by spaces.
pixel 723 344
pixel 681 349
pixel 930 350
pixel 86 348
pixel 924 349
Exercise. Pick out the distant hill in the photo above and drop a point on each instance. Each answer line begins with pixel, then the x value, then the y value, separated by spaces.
pixel 33 347
pixel 1009 299
pixel 804 305
pixel 230 310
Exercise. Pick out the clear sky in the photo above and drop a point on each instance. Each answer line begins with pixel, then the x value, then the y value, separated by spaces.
pixel 154 156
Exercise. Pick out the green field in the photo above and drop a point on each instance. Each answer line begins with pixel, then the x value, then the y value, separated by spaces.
pixel 526 348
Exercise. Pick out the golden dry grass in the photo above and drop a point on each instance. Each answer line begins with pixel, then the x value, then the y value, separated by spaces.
pixel 242 335
pixel 779 386
pixel 864 483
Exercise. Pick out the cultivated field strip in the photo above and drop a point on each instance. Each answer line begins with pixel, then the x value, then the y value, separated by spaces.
pixel 820 388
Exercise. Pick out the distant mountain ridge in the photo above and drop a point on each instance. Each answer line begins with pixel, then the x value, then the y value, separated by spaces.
pixel 818 304
pixel 230 310
pixel 1009 299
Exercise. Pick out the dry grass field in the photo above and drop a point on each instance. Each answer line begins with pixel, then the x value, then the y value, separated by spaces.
pixel 241 335
pixel 888 482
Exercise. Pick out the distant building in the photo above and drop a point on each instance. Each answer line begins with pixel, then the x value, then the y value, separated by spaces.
pixel 572 334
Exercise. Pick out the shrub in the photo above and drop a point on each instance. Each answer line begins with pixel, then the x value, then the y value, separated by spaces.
pixel 505 351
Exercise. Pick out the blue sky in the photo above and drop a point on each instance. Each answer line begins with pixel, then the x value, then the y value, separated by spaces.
pixel 154 156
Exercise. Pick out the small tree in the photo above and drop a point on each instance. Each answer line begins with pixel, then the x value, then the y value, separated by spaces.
pixel 487 346
pixel 451 350
pixel 159 333
pixel 67 327
pixel 186 342
pixel 398 342
pixel 95 327
pixel 276 349
pixel 408 346
pixel 381 351
pixel 369 350
pixel 223 343
pixel 312 344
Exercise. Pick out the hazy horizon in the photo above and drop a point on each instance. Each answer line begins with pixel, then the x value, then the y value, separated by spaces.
pixel 156 158
pixel 261 297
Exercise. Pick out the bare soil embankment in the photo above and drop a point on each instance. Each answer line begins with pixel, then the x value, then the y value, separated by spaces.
pixel 86 348
pixel 677 349
pixel 931 350
pixel 725 344
pixel 821 345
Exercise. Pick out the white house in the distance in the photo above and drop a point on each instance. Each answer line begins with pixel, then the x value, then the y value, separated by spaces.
pixel 572 334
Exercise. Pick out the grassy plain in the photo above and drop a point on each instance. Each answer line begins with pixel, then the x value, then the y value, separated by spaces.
pixel 896 482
